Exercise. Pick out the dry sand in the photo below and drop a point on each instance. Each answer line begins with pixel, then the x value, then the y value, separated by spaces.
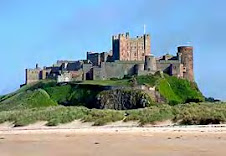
pixel 114 139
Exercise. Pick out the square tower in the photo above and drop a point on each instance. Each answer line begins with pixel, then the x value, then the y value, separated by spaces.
pixel 131 49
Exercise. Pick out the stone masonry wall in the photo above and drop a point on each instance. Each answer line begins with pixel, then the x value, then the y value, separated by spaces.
pixel 131 49
pixel 32 75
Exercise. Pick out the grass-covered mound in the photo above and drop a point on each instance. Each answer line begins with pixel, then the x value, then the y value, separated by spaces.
pixel 177 91
pixel 73 94
pixel 49 93
pixel 27 99
pixel 174 90
pixel 185 114
pixel 29 87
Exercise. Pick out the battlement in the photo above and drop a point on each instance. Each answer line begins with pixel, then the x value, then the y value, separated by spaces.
pixel 185 47
pixel 127 36
pixel 123 35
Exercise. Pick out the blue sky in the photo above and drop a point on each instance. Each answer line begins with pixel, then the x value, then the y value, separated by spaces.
pixel 43 31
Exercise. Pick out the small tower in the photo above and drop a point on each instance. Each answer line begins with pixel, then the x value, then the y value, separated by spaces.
pixel 186 53
pixel 150 63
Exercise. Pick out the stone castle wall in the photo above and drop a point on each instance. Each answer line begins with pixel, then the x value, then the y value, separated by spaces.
pixel 94 58
pixel 129 56
pixel 32 75
pixel 117 69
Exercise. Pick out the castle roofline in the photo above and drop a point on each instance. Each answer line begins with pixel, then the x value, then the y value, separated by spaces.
pixel 184 46
pixel 127 35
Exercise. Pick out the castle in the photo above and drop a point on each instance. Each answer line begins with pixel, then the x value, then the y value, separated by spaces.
pixel 128 57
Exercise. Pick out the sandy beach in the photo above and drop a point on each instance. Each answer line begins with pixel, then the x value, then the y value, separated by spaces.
pixel 112 140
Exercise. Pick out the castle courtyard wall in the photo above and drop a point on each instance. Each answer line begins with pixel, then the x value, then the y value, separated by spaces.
pixel 117 69
pixel 164 65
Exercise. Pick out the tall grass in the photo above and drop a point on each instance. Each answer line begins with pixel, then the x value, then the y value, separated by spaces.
pixel 185 114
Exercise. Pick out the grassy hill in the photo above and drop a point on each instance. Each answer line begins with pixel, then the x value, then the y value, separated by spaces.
pixel 63 103
pixel 178 91
pixel 174 90
pixel 27 99
pixel 49 93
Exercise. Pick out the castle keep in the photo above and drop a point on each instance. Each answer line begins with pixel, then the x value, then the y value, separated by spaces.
pixel 131 49
pixel 128 57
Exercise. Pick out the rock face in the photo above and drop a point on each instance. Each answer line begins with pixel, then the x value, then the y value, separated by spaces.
pixel 122 99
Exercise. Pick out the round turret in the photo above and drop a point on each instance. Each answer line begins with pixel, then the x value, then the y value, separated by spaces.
pixel 186 53
pixel 150 63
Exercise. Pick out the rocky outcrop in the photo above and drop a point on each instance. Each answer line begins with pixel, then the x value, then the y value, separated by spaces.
pixel 123 99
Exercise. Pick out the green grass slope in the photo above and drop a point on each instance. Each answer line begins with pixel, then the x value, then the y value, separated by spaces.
pixel 49 93
pixel 26 88
pixel 148 80
pixel 178 91
pixel 27 99
pixel 41 102
pixel 59 93
pixel 174 90
pixel 73 94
